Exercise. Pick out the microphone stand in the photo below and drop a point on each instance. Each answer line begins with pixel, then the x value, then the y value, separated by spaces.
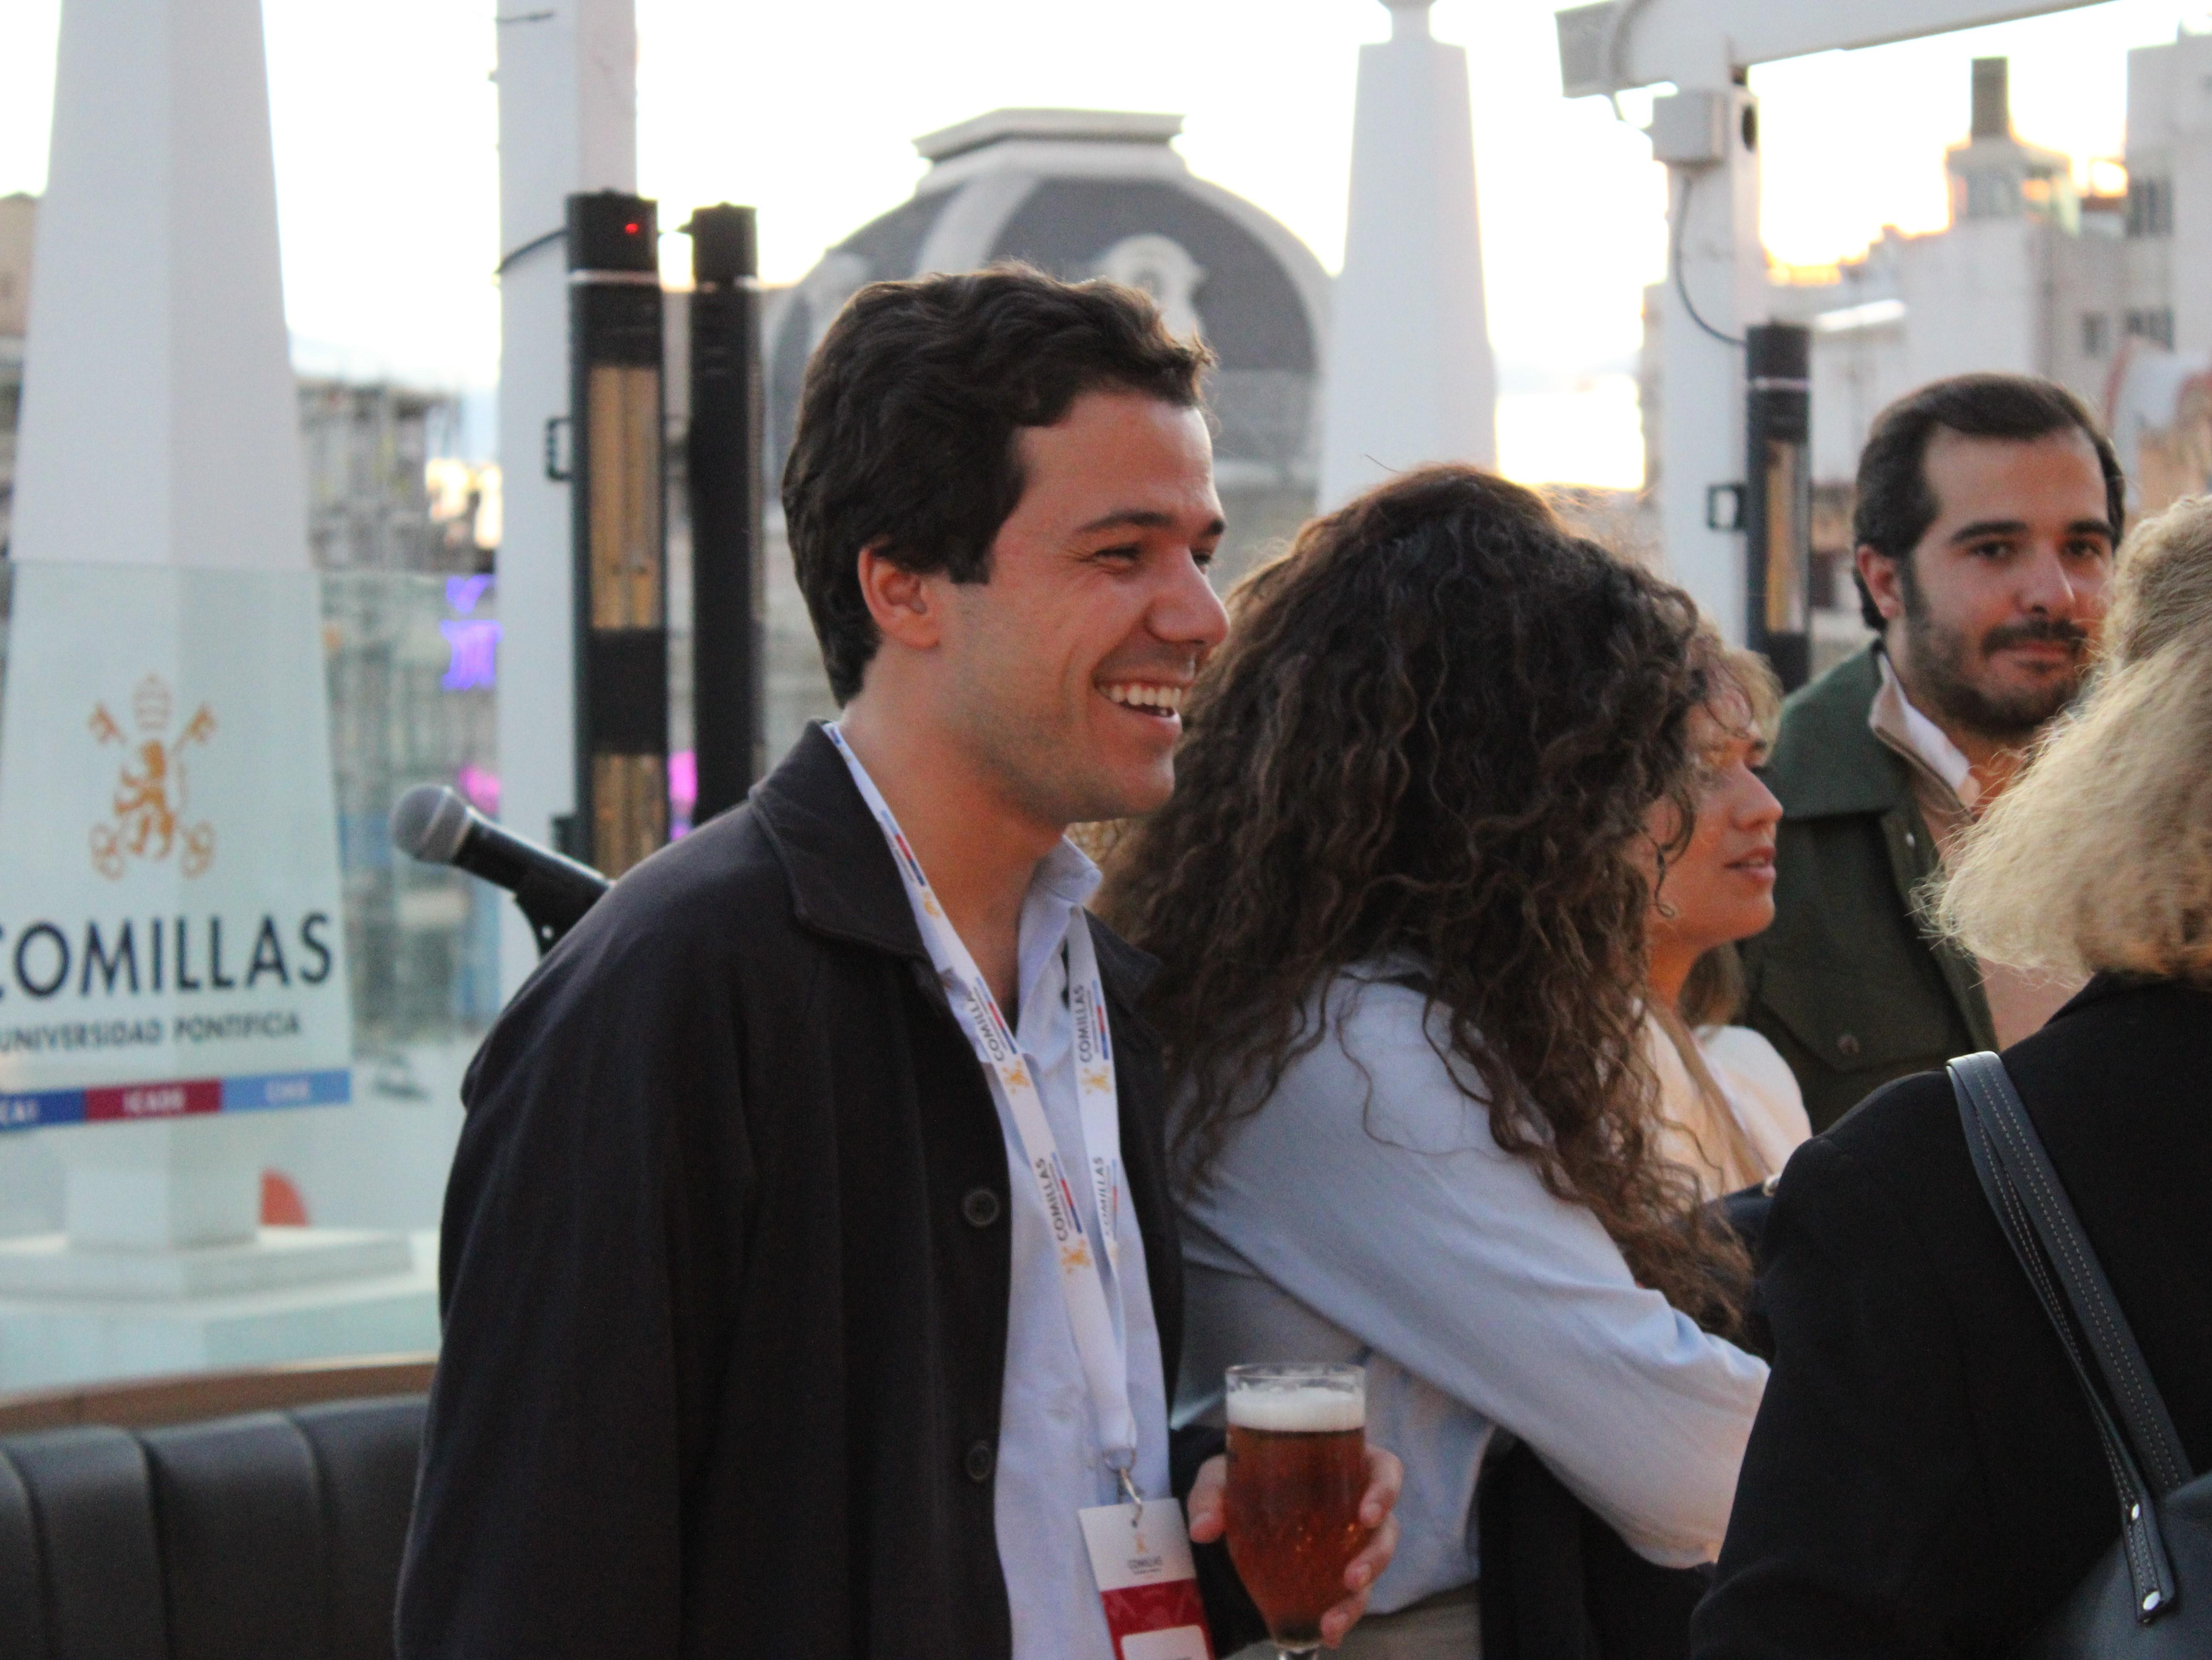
pixel 548 907
pixel 435 826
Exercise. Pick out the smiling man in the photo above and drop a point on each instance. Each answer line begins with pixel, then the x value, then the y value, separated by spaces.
pixel 1988 509
pixel 810 1273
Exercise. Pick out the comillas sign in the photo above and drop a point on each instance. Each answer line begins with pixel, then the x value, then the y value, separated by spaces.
pixel 169 920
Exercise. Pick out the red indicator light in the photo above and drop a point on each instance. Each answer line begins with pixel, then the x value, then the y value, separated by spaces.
pixel 630 229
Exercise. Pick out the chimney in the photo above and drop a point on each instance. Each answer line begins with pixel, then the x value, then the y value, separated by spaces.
pixel 1992 98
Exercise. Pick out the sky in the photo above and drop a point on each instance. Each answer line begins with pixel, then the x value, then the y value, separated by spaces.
pixel 385 123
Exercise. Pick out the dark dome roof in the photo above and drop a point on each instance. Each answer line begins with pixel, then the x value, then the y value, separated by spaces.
pixel 1087 193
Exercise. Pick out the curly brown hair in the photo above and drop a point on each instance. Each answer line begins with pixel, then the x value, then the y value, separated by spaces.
pixel 1434 732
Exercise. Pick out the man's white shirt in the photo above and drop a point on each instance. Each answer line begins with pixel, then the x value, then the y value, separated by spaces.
pixel 1050 1465
pixel 1928 740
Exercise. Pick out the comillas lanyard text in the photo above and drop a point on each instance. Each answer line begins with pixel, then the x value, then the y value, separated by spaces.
pixel 1093 1294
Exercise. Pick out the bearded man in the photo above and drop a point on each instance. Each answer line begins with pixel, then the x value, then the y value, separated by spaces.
pixel 1988 509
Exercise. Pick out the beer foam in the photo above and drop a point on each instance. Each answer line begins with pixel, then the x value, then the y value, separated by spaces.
pixel 1310 1411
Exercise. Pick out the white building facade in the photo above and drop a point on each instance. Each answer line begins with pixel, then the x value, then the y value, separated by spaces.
pixel 2092 291
pixel 2032 276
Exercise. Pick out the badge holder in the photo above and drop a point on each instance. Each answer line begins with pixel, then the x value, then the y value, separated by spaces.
pixel 1147 1581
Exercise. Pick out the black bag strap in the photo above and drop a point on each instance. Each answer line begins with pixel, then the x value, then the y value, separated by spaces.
pixel 2040 1224
pixel 2066 1247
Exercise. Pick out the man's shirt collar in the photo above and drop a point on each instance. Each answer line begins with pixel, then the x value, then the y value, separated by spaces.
pixel 1899 723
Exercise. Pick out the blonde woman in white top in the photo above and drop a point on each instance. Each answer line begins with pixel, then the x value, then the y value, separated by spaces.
pixel 1731 1110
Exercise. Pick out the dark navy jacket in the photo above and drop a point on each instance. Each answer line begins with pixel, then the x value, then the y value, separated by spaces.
pixel 726 1270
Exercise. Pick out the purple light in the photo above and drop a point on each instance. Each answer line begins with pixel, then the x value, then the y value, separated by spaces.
pixel 475 661
pixel 683 791
pixel 462 592
pixel 481 788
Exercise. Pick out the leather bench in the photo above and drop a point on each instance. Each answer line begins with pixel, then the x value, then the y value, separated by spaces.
pixel 267 1535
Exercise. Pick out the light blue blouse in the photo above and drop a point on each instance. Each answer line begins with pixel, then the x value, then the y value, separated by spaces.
pixel 1365 1213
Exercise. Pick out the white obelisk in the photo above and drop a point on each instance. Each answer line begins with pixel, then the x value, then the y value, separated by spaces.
pixel 161 427
pixel 160 421
pixel 1411 378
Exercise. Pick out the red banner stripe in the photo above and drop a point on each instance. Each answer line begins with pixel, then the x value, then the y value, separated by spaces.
pixel 155 1100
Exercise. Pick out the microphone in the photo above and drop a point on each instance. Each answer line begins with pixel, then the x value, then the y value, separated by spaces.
pixel 435 825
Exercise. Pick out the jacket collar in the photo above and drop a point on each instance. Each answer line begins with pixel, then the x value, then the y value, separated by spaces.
pixel 2107 983
pixel 1126 969
pixel 1939 772
pixel 1827 760
pixel 843 884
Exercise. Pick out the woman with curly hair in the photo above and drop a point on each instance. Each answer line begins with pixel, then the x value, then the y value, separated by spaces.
pixel 1729 1106
pixel 1402 925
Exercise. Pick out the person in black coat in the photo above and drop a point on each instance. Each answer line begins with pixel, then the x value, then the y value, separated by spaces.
pixel 724 1276
pixel 755 1334
pixel 1924 1478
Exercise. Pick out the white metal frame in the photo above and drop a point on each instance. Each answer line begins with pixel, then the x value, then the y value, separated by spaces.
pixel 1715 260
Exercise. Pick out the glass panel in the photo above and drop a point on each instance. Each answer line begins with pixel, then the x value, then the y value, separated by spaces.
pixel 413 667
pixel 629 809
pixel 626 487
pixel 1789 535
pixel 196 772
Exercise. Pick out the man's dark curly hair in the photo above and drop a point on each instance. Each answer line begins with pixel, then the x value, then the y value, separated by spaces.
pixel 1894 504
pixel 909 415
pixel 1434 732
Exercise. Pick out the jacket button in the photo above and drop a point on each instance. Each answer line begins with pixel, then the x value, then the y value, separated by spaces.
pixel 1848 1043
pixel 980 1462
pixel 980 1208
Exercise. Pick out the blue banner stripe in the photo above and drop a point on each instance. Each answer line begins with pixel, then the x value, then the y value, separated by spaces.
pixel 287 1089
pixel 32 1109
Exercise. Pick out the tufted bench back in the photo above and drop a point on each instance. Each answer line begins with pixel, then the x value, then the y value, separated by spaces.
pixel 272 1536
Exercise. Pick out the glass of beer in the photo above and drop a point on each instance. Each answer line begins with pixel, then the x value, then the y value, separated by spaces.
pixel 1297 1468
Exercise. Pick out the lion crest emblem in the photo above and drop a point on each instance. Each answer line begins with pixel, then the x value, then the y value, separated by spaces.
pixel 152 786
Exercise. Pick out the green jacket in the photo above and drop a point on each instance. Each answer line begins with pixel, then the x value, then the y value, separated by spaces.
pixel 1849 984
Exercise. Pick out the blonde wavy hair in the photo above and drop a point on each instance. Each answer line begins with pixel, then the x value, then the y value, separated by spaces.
pixel 2099 858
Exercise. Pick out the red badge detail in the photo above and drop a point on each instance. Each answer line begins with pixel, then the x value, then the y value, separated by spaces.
pixel 1138 1610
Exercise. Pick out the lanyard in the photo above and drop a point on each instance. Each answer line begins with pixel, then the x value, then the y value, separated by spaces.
pixel 1091 1288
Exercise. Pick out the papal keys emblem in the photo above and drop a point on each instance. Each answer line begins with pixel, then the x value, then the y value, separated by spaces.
pixel 150 790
